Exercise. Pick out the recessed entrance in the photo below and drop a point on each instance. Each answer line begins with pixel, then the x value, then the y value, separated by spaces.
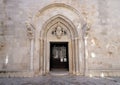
pixel 59 47
pixel 59 56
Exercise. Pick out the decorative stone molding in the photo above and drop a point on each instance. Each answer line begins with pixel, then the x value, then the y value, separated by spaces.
pixel 63 5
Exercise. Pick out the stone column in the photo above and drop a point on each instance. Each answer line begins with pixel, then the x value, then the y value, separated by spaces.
pixel 86 54
pixel 41 56
pixel 84 47
pixel 80 55
pixel 31 54
pixel 44 56
pixel 73 56
pixel 47 56
pixel 77 56
pixel 30 34
pixel 70 57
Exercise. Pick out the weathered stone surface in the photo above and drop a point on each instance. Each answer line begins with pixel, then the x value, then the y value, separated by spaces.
pixel 102 45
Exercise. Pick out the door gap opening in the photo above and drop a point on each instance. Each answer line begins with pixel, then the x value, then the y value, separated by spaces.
pixel 59 61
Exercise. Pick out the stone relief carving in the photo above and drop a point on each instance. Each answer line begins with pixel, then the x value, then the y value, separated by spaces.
pixel 30 30
pixel 59 32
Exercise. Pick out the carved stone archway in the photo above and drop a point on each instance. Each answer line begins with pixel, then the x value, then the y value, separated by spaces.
pixel 59 21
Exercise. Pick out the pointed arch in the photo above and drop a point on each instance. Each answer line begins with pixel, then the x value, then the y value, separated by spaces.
pixel 72 46
pixel 62 19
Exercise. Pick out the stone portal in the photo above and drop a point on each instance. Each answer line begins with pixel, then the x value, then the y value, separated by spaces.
pixel 59 45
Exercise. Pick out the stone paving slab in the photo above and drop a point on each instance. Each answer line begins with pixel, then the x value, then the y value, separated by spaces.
pixel 60 80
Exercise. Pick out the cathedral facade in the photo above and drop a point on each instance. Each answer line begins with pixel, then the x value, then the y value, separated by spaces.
pixel 81 37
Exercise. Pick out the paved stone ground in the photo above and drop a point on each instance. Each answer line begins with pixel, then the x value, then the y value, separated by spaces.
pixel 60 80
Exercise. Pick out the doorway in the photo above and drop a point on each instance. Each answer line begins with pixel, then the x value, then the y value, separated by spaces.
pixel 67 36
pixel 59 56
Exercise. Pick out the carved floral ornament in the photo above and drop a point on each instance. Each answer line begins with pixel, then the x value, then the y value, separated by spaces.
pixel 59 32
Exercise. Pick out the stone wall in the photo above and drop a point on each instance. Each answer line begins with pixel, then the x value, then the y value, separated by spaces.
pixel 102 41
pixel 15 47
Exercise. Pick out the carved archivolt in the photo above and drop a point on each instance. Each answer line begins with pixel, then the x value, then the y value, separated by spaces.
pixel 60 26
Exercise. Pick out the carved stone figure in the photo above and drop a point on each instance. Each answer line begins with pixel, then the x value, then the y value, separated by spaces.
pixel 30 31
pixel 59 32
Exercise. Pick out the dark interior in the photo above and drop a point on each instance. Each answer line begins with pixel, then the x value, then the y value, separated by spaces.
pixel 59 55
